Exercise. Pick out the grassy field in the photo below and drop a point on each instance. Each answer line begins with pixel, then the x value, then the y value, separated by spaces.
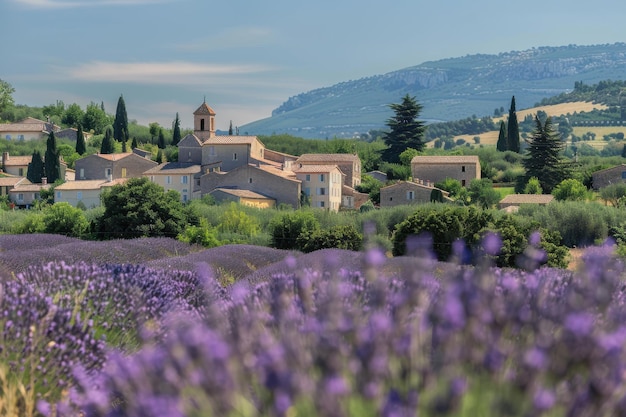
pixel 491 138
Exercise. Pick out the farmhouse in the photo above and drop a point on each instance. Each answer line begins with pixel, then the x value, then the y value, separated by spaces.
pixel 25 194
pixel 608 176
pixel 27 129
pixel 181 177
pixel 433 169
pixel 408 192
pixel 112 166
pixel 512 202
pixel 86 192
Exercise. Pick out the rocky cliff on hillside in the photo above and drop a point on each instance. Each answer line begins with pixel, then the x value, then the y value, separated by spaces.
pixel 449 89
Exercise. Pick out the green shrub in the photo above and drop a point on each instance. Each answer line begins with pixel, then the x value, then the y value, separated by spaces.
pixel 63 219
pixel 340 237
pixel 203 235
pixel 286 228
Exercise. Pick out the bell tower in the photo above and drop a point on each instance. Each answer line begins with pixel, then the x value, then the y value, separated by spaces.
pixel 204 122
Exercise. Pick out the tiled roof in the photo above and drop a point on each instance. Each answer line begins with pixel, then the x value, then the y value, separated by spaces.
pixel 204 109
pixel 278 172
pixel 327 157
pixel 230 140
pixel 23 127
pixel 11 181
pixel 113 156
pixel 315 169
pixel 169 168
pixel 445 159
pixel 527 199
pixel 29 188
pixel 89 184
pixel 410 183
pixel 191 136
pixel 18 160
pixel 242 193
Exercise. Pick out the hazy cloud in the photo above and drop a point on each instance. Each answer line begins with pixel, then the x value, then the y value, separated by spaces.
pixel 176 72
pixel 236 37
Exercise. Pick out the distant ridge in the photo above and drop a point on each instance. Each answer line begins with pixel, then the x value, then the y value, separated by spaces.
pixel 449 89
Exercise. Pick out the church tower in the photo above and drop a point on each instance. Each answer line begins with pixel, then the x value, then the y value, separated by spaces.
pixel 204 122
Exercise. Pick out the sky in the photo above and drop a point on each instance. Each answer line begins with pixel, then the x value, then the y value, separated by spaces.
pixel 245 58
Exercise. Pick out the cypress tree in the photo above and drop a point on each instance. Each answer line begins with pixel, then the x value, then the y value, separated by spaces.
pixel 159 157
pixel 176 131
pixel 35 168
pixel 543 159
pixel 502 144
pixel 81 147
pixel 124 149
pixel 120 125
pixel 52 164
pixel 134 145
pixel 512 136
pixel 161 143
pixel 406 131
pixel 107 143
pixel 230 129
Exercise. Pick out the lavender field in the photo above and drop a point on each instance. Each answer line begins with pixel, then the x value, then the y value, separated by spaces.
pixel 155 327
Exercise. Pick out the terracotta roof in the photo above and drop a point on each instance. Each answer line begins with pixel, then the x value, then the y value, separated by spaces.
pixel 169 168
pixel 412 183
pixel 230 140
pixel 277 171
pixel 204 109
pixel 18 160
pixel 113 156
pixel 242 193
pixel 327 157
pixel 616 167
pixel 29 188
pixel 192 137
pixel 445 159
pixel 527 199
pixel 12 181
pixel 22 127
pixel 89 184
pixel 316 169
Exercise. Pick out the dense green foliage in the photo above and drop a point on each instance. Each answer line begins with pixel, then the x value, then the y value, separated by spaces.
pixel 406 131
pixel 176 135
pixel 52 164
pixel 63 219
pixel 453 230
pixel 341 237
pixel 6 95
pixel 543 158
pixel 502 144
pixel 512 133
pixel 570 190
pixel 286 229
pixel 120 124
pixel 141 208
pixel 35 168
pixel 107 146
pixel 467 126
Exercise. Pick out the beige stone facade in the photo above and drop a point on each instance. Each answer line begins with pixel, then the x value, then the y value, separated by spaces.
pixel 267 181
pixel 26 194
pixel 433 169
pixel 407 192
pixel 322 184
pixel 349 164
pixel 180 177
pixel 27 129
pixel 112 166
pixel 87 191
pixel 245 197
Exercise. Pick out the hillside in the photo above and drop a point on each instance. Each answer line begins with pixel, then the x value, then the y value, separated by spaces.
pixel 449 89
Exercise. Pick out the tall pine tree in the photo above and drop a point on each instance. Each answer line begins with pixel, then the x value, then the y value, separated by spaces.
pixel 161 143
pixel 176 131
pixel 52 163
pixel 543 159
pixel 502 144
pixel 512 136
pixel 107 143
pixel 120 125
pixel 35 168
pixel 81 147
pixel 406 131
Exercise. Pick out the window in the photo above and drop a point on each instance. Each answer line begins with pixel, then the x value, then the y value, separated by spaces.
pixel 624 175
pixel 168 179
pixel 212 150
pixel 108 172
pixel 321 204
pixel 463 183
pixel 463 168
pixel 184 179
pixel 81 173
pixel 58 194
pixel 123 172
pixel 308 177
pixel 250 180
pixel 321 191
pixel 321 177
pixel 21 172
pixel 235 156
pixel 79 195
pixel 20 137
pixel 201 124
pixel 8 137
pixel 36 196
pixel 410 195
pixel 20 197
pixel 185 198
